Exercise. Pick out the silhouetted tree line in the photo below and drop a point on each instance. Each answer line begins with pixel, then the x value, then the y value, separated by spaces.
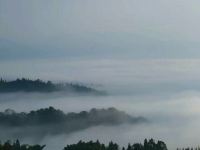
pixel 38 85
pixel 148 145
pixel 54 121
pixel 81 145
pixel 27 86
pixel 17 146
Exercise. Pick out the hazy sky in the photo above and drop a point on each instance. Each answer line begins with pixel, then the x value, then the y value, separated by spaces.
pixel 99 28
pixel 129 42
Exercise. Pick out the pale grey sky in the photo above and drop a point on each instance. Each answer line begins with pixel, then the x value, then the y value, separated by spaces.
pixel 116 42
pixel 99 28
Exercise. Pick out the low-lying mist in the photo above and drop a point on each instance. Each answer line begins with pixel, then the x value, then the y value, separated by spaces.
pixel 172 118
pixel 166 92
pixel 50 121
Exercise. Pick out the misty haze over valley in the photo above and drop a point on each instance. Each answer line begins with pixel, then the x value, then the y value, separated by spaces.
pixel 169 116
pixel 87 74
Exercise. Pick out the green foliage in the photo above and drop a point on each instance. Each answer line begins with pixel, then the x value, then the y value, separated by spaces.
pixel 81 145
pixel 27 85
pixel 86 146
pixel 53 121
pixel 148 145
pixel 17 146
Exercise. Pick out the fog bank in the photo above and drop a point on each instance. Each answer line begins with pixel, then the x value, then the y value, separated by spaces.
pixel 173 118
pixel 166 92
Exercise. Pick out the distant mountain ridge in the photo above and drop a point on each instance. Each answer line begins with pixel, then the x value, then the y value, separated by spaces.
pixel 54 121
pixel 27 85
pixel 52 116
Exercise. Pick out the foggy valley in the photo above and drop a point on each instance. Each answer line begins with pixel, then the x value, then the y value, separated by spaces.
pixel 99 75
pixel 169 117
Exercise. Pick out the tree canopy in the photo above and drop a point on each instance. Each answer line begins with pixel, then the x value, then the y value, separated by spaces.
pixel 8 145
pixel 54 121
pixel 148 145
pixel 27 85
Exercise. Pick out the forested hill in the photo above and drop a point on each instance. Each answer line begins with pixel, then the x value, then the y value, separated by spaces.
pixel 52 116
pixel 27 85
pixel 50 121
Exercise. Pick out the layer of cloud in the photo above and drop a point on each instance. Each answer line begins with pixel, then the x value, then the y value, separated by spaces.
pixel 114 28
pixel 125 76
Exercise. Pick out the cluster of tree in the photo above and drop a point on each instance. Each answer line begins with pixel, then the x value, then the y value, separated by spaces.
pixel 81 145
pixel 54 121
pixel 27 85
pixel 148 145
pixel 196 148
pixel 17 146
